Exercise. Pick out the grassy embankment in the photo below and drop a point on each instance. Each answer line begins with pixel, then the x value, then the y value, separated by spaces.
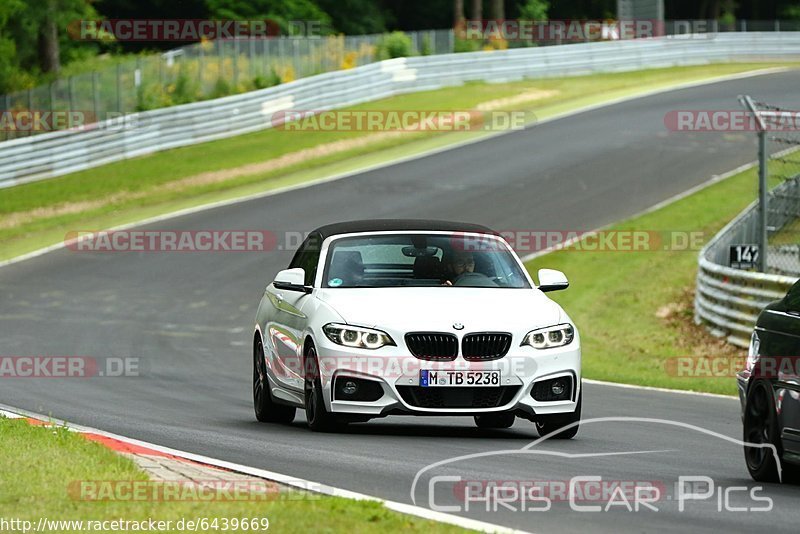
pixel 35 482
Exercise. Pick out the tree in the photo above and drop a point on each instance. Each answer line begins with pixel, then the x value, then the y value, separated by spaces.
pixel 355 17
pixel 151 9
pixel 477 10
pixel 498 10
pixel 281 12
pixel 458 13
pixel 50 26
pixel 408 15
pixel 587 9
pixel 534 9
pixel 49 51
pixel 10 72
pixel 38 33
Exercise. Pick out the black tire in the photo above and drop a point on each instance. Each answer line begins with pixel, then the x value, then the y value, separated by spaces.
pixel 549 425
pixel 267 410
pixel 495 420
pixel 318 417
pixel 790 473
pixel 761 426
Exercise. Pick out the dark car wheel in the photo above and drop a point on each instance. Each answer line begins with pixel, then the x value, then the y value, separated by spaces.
pixel 550 425
pixel 761 426
pixel 318 417
pixel 495 420
pixel 267 410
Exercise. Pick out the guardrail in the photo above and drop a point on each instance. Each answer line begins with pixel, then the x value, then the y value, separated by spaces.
pixel 210 69
pixel 58 153
pixel 729 300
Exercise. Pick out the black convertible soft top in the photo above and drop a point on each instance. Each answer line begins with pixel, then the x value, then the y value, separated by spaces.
pixel 387 225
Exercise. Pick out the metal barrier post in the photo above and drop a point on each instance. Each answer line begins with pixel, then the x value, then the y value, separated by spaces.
pixel 762 182
pixel 762 200
pixel 235 65
pixel 119 87
pixel 95 98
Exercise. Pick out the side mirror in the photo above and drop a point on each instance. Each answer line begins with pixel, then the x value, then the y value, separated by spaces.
pixel 292 280
pixel 552 280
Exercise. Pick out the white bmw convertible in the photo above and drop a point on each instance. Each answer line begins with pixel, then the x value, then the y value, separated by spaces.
pixel 411 317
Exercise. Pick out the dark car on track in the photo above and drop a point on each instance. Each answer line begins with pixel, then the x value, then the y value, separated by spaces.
pixel 769 390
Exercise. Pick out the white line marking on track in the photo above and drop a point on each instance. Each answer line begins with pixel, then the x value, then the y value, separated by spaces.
pixel 660 390
pixel 302 484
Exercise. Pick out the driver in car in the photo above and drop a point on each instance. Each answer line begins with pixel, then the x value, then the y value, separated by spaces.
pixel 463 262
pixel 461 268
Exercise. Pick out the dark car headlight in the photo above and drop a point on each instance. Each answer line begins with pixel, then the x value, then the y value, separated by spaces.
pixel 356 336
pixel 549 337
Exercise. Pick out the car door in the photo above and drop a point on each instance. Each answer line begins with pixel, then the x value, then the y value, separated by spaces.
pixel 285 330
pixel 782 333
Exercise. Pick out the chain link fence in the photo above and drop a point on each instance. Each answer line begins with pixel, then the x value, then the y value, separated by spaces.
pixel 206 70
pixel 782 133
pixel 213 69
pixel 755 259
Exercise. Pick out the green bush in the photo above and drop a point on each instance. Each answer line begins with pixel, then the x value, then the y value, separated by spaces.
pixel 467 45
pixel 534 10
pixel 728 20
pixel 270 80
pixel 392 45
pixel 426 47
pixel 150 96
pixel 221 88
pixel 184 91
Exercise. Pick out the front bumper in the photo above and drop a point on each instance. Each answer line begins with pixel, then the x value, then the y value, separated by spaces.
pixel 398 374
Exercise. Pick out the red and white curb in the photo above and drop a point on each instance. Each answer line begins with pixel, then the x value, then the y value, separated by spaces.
pixel 135 446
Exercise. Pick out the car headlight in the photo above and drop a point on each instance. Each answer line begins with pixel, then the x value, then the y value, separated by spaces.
pixel 356 336
pixel 552 336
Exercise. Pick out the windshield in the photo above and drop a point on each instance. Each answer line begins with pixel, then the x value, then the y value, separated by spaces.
pixel 417 260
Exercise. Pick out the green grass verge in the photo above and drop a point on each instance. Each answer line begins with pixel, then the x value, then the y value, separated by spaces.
pixel 788 235
pixel 634 309
pixel 139 188
pixel 34 483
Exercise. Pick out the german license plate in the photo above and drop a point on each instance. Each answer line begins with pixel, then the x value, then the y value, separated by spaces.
pixel 428 378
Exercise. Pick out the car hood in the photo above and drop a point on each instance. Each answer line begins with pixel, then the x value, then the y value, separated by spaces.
pixel 438 308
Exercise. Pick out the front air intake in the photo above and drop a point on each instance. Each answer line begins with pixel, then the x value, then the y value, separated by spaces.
pixel 433 346
pixel 485 346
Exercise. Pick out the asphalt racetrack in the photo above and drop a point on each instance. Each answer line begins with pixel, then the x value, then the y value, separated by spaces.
pixel 188 317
